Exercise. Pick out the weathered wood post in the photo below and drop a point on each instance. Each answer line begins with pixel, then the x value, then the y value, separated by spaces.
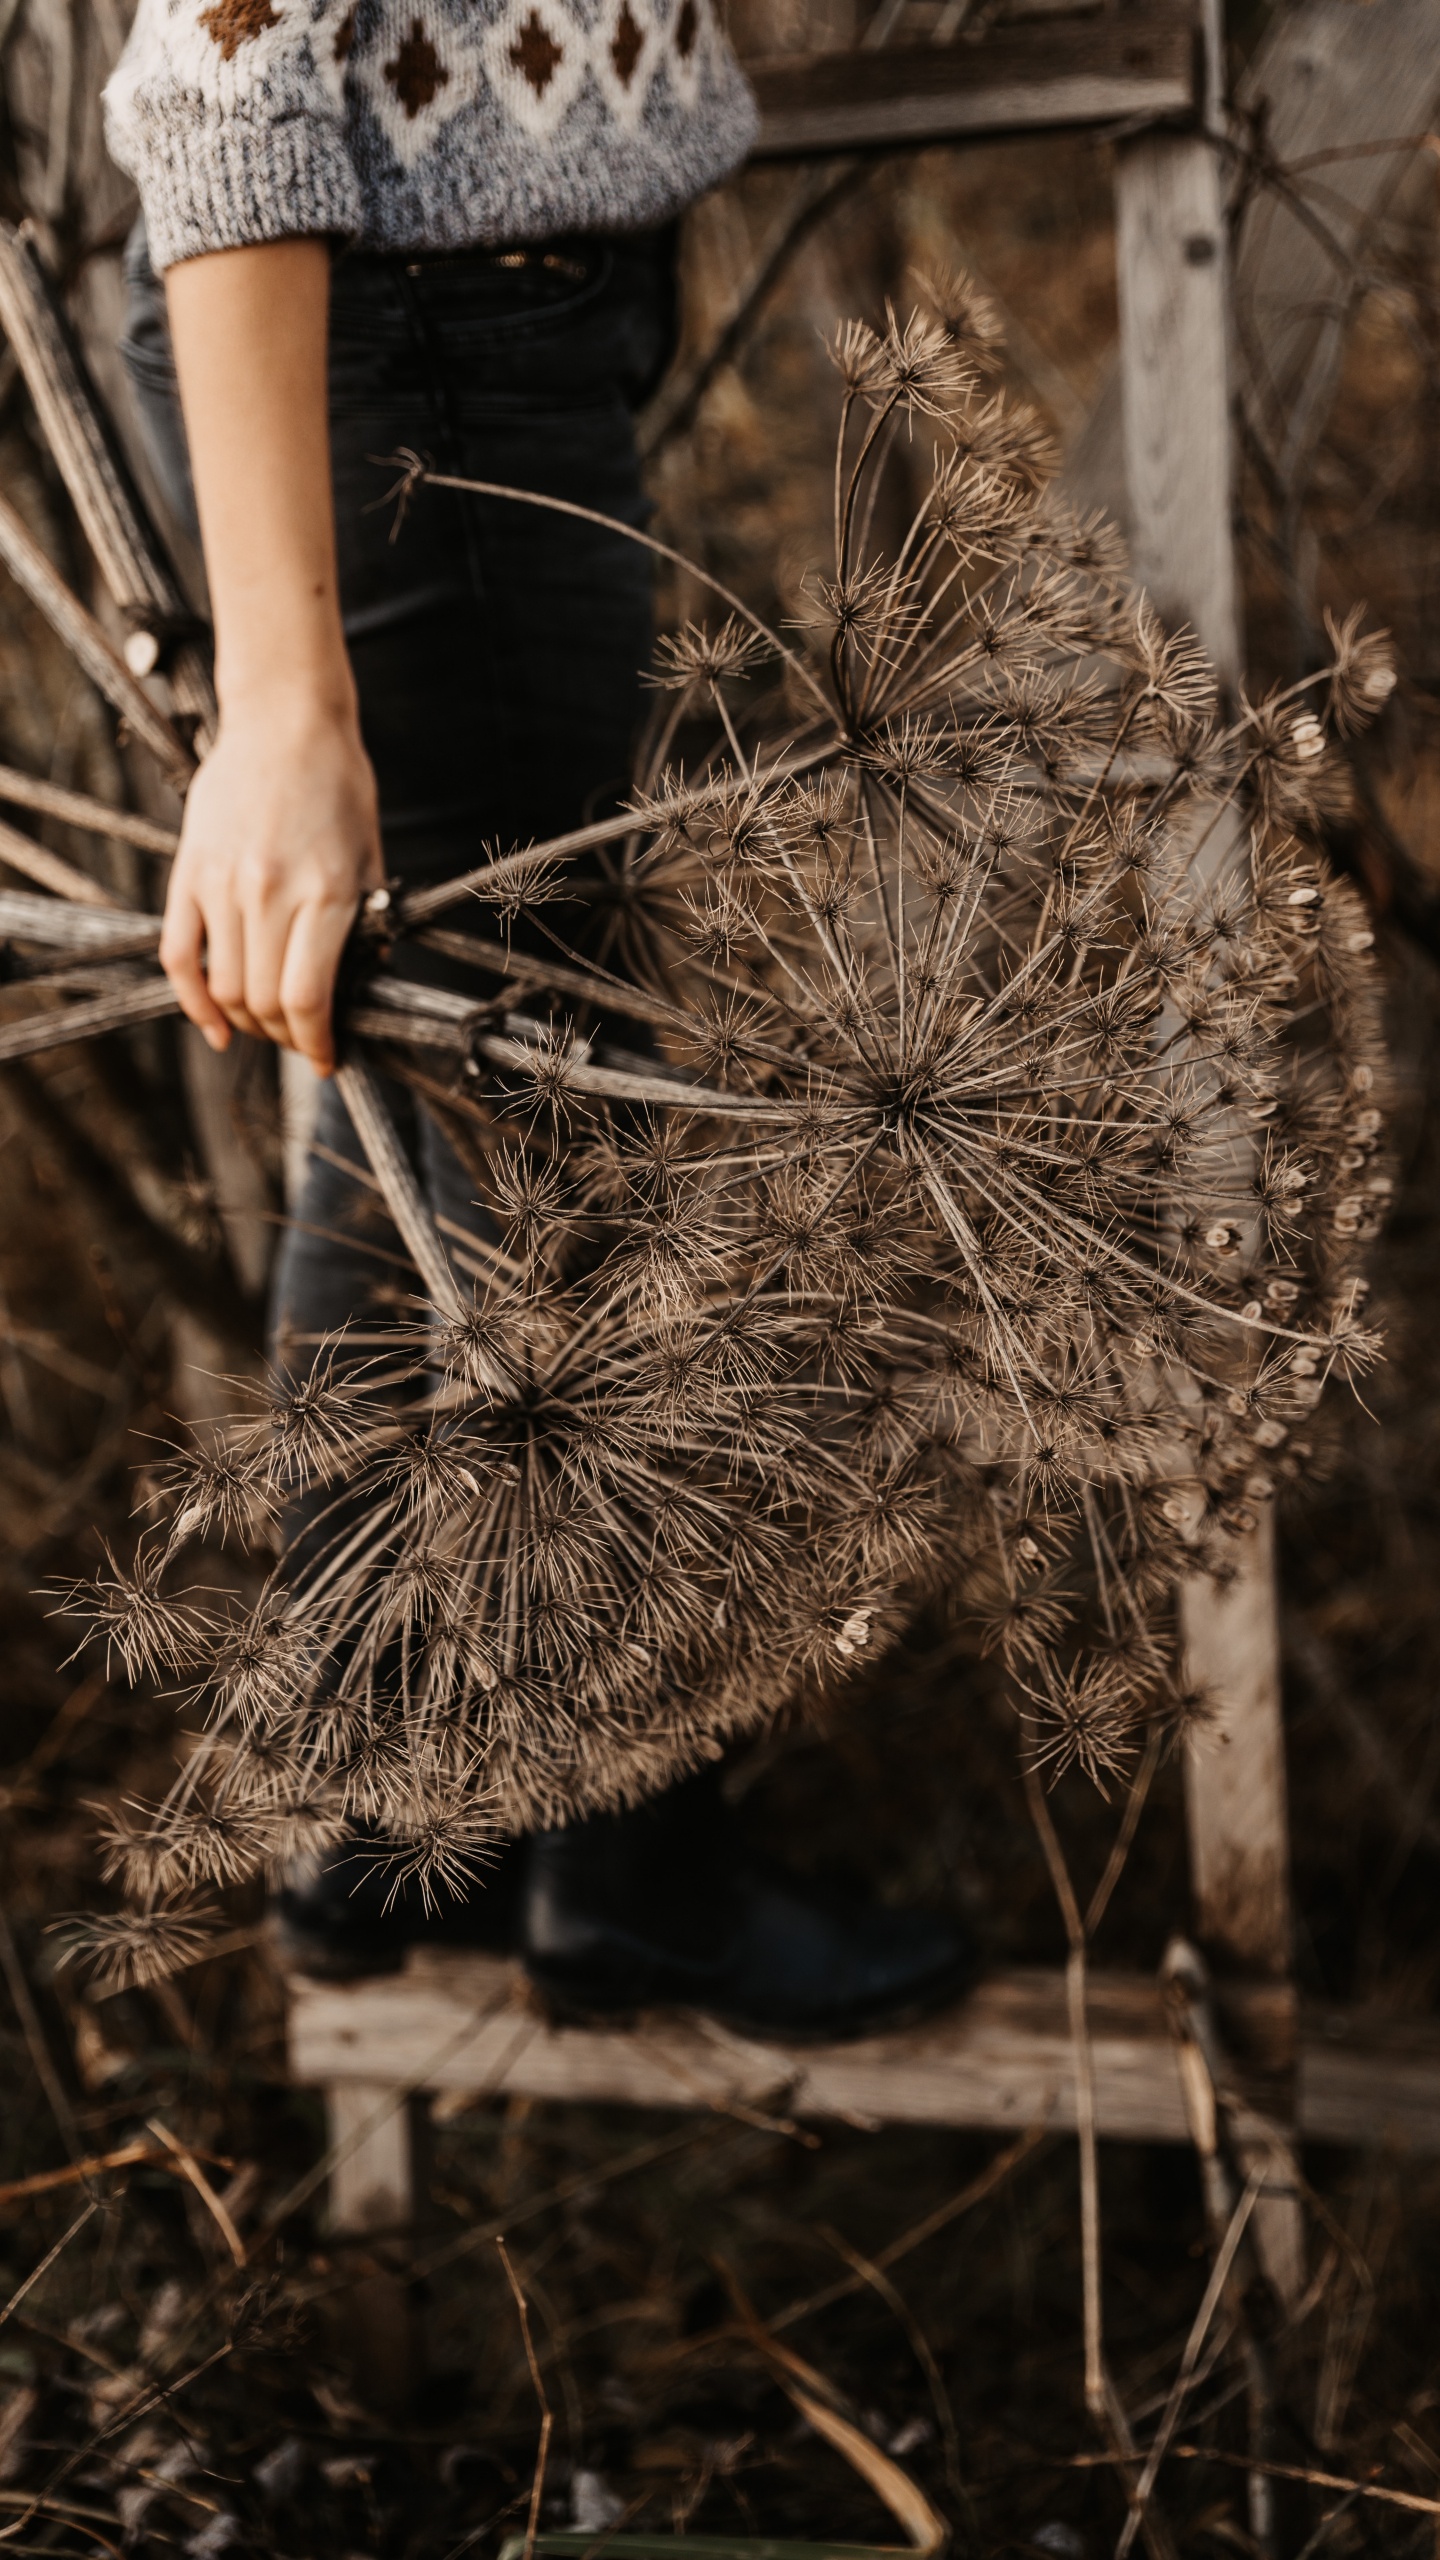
pixel 1173 275
pixel 372 2127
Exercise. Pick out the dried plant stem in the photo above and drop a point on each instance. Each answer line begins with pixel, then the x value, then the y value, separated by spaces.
pixel 867 2273
pixel 1409 2499
pixel 391 1167
pixel 148 999
pixel 1188 2007
pixel 547 2418
pixel 40 2054
pixel 87 644
pixel 1083 2059
pixel 190 2168
pixel 1101 2398
pixel 8 2310
pixel 978 2191
pixel 1135 1801
pixel 36 862
pixel 1194 2347
pixel 77 809
pixel 647 542
pixel 130 2155
pixel 127 549
pixel 503 870
pixel 109 932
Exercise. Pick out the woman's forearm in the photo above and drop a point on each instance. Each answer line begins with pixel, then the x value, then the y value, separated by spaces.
pixel 249 332
pixel 281 836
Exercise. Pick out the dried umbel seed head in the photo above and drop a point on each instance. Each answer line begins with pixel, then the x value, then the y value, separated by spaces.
pixel 985 1207
pixel 136 1946
pixel 149 1631
pixel 1086 1720
pixel 1362 674
pixel 968 317
pixel 696 657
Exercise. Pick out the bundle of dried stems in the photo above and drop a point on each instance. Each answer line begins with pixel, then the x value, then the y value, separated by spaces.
pixel 978 1203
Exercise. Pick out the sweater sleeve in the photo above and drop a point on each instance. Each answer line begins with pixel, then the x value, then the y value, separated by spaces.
pixel 229 115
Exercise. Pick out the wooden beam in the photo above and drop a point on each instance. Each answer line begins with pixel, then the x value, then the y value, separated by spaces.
pixel 1235 1796
pixel 374 2327
pixel 371 2177
pixel 1171 274
pixel 1001 2059
pixel 1137 64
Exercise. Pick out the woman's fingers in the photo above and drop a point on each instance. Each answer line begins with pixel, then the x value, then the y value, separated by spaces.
pixel 182 944
pixel 279 843
pixel 267 923
pixel 226 962
pixel 318 935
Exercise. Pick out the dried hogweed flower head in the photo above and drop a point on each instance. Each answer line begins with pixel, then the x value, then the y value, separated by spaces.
pixel 973 1201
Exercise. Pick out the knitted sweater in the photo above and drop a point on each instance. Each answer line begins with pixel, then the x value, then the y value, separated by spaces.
pixel 421 124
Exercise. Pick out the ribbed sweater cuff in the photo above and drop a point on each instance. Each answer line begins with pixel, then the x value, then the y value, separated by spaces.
pixel 224 181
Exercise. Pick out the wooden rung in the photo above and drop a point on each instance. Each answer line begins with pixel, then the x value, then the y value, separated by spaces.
pixel 1000 2059
pixel 1132 66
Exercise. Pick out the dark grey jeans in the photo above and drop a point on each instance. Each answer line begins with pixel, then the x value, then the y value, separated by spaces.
pixel 496 648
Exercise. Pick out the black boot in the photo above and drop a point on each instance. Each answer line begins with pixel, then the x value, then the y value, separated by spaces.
pixel 346 1920
pixel 666 1904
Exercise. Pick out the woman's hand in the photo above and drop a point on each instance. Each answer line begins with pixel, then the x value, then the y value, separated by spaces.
pixel 280 844
pixel 281 839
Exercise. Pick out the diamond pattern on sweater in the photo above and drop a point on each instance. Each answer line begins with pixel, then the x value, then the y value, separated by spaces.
pixel 411 125
pixel 690 32
pixel 624 51
pixel 416 73
pixel 231 23
pixel 534 58
pixel 334 34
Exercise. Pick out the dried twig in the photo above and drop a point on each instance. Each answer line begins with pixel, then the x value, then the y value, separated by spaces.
pixel 87 644
pixel 78 809
pixel 190 2168
pixel 391 1167
pixel 35 2038
pixel 127 548
pixel 547 2420
pixel 978 2191
pixel 8 2310
pixel 21 853
pixel 130 2155
pixel 1194 2347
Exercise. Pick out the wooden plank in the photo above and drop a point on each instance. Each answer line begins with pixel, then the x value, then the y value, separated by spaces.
pixel 1079 72
pixel 1001 2059
pixel 1171 267
pixel 1173 279
pixel 371 2181
pixel 373 2321
pixel 1172 282
pixel 1235 1795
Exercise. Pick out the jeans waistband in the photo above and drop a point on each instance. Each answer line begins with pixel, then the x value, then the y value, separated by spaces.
pixel 571 256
